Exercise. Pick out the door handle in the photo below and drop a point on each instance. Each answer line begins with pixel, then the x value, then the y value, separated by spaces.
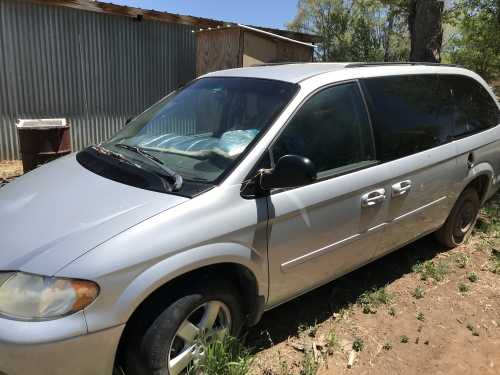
pixel 401 188
pixel 373 198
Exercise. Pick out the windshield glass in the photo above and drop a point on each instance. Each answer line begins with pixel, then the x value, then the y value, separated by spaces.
pixel 198 132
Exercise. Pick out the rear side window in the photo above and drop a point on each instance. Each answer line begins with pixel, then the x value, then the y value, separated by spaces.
pixel 410 114
pixel 331 129
pixel 475 108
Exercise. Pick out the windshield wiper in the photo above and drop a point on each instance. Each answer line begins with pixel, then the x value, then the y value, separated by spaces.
pixel 175 178
pixel 104 151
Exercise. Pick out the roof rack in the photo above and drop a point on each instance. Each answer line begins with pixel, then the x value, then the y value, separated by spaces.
pixel 368 64
pixel 274 63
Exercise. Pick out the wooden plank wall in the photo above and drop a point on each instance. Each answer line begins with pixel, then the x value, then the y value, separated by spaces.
pixel 236 47
pixel 261 49
pixel 217 50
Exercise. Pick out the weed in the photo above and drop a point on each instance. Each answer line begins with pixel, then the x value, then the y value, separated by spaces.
pixel 332 342
pixel 358 344
pixel 373 298
pixel 432 270
pixel 463 288
pixel 305 330
pixel 495 261
pixel 404 339
pixel 309 364
pixel 489 217
pixel 461 260
pixel 472 276
pixel 392 311
pixel 387 346
pixel 226 356
pixel 313 330
pixel 420 316
pixel 418 293
pixel 284 368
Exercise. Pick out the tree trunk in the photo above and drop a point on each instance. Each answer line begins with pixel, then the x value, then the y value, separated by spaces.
pixel 387 35
pixel 426 30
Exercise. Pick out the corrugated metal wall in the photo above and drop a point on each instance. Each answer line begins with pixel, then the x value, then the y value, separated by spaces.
pixel 94 69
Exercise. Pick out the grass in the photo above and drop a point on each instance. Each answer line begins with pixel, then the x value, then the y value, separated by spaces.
pixel 404 339
pixel 495 261
pixel 461 260
pixel 373 298
pixel 489 217
pixel 421 316
pixel 463 288
pixel 387 346
pixel 309 365
pixel 226 356
pixel 472 276
pixel 332 343
pixel 392 311
pixel 358 345
pixel 418 293
pixel 436 270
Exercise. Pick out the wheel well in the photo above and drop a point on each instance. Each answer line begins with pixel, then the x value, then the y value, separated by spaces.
pixel 240 277
pixel 481 185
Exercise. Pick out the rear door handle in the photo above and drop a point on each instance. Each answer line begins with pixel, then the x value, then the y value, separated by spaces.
pixel 373 198
pixel 401 188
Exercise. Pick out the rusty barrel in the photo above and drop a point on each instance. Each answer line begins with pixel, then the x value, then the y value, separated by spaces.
pixel 42 141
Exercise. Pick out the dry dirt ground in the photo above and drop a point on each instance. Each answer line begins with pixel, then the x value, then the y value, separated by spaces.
pixel 10 169
pixel 421 310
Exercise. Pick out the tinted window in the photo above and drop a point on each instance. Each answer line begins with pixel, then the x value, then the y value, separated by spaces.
pixel 331 129
pixel 410 114
pixel 475 108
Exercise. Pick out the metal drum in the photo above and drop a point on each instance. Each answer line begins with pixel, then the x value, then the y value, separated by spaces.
pixel 42 141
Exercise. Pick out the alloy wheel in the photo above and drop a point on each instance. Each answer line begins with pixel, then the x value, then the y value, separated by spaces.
pixel 209 321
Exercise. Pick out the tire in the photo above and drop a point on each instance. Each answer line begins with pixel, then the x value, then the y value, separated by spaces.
pixel 152 347
pixel 460 223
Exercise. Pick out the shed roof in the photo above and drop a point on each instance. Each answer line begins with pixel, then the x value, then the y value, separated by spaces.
pixel 153 15
pixel 258 31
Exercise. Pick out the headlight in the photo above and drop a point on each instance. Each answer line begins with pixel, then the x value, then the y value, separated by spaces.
pixel 31 297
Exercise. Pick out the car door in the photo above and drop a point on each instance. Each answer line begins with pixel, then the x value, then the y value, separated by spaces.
pixel 325 229
pixel 413 120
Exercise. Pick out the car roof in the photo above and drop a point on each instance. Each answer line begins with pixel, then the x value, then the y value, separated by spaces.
pixel 298 72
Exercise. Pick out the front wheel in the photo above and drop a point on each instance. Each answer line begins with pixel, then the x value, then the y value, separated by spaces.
pixel 458 227
pixel 170 345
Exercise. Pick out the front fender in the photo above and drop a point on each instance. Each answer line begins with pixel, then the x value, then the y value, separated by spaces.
pixel 182 263
pixel 126 289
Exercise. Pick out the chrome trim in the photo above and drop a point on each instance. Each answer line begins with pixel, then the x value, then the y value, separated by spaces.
pixel 326 249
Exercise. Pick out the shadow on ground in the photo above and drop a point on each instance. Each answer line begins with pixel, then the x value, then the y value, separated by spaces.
pixel 317 306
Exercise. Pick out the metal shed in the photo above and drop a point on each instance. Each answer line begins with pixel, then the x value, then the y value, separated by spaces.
pixel 92 63
pixel 236 46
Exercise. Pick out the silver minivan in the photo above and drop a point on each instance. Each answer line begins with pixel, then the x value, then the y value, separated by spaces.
pixel 228 197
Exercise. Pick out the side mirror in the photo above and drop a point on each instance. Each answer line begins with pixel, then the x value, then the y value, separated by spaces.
pixel 290 171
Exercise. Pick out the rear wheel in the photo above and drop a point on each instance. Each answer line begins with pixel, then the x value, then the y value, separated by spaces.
pixel 461 220
pixel 170 345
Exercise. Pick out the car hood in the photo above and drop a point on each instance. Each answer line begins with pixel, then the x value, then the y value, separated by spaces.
pixel 56 213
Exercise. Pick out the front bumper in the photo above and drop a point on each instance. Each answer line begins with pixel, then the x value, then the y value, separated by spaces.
pixel 56 347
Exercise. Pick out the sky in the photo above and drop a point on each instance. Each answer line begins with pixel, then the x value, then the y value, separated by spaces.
pixel 267 13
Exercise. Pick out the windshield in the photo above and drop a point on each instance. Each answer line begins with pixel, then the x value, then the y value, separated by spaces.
pixel 200 131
